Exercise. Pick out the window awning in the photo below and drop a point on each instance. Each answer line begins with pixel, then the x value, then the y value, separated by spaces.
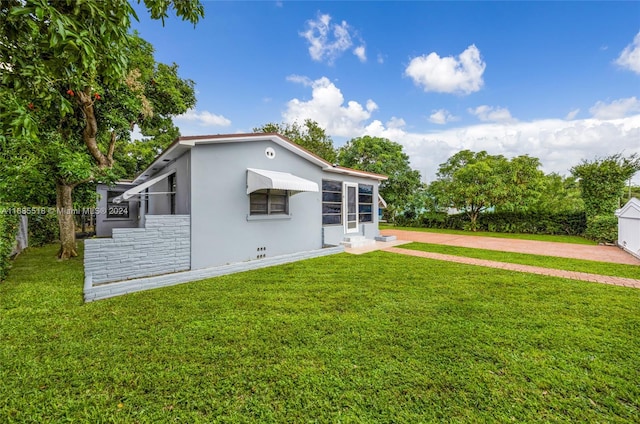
pixel 260 179
pixel 382 204
pixel 139 188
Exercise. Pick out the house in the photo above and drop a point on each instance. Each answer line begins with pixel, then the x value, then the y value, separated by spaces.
pixel 629 227
pixel 110 215
pixel 214 201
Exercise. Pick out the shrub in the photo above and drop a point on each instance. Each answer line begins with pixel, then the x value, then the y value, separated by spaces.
pixel 602 228
pixel 8 229
pixel 43 229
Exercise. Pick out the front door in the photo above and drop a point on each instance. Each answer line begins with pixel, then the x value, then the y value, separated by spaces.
pixel 350 203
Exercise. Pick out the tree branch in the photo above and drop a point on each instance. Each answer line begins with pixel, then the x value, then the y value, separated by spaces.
pixel 90 131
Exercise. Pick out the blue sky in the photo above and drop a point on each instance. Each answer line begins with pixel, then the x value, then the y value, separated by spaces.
pixel 556 80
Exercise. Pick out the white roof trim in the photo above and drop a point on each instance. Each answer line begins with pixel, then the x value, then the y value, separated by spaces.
pixel 260 179
pixel 381 202
pixel 137 189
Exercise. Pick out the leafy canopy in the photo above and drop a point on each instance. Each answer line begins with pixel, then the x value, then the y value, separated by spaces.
pixel 383 156
pixel 308 135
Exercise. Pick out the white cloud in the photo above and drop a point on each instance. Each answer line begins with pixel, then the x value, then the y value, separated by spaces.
pixel 327 41
pixel 448 74
pixel 616 109
pixel 380 58
pixel 300 79
pixel 490 114
pixel 327 108
pixel 360 52
pixel 559 144
pixel 203 118
pixel 630 56
pixel 571 115
pixel 442 116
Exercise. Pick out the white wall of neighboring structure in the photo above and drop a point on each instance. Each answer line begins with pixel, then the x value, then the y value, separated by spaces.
pixel 629 227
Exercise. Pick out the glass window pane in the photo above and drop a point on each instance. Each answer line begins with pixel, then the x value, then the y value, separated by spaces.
pixel 258 203
pixel 365 208
pixel 365 189
pixel 331 208
pixel 328 185
pixel 366 217
pixel 331 197
pixel 365 198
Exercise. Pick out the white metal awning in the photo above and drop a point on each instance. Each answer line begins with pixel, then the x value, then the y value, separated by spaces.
pixel 260 179
pixel 139 188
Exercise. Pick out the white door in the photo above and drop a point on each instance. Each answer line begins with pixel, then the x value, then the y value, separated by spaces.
pixel 350 207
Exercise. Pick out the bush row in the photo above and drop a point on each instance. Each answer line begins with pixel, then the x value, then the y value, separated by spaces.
pixel 42 228
pixel 567 223
pixel 8 230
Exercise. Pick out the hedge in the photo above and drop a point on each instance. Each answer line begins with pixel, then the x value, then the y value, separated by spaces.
pixel 9 223
pixel 567 223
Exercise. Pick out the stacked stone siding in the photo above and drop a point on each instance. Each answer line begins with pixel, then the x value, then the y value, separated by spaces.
pixel 162 247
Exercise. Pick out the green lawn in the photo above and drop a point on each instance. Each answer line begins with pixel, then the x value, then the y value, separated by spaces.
pixel 539 237
pixel 593 267
pixel 371 338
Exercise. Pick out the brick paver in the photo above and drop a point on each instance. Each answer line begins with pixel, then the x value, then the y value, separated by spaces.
pixel 611 254
pixel 564 250
pixel 573 275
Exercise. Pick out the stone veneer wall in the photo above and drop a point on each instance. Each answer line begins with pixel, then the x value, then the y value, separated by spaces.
pixel 162 247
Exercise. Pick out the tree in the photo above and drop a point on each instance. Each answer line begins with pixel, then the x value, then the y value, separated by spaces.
pixel 474 182
pixel 603 182
pixel 69 86
pixel 308 135
pixel 383 156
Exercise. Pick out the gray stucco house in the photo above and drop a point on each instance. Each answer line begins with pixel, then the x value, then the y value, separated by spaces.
pixel 211 201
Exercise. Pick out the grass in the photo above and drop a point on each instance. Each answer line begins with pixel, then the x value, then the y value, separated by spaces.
pixel 568 264
pixel 371 338
pixel 520 236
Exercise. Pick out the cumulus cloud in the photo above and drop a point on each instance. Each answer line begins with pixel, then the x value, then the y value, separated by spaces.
pixel 327 107
pixel 442 116
pixel 630 57
pixel 616 109
pixel 490 114
pixel 461 75
pixel 361 53
pixel 328 41
pixel 203 118
pixel 558 143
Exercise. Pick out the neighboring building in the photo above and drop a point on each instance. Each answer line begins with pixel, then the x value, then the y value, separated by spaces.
pixel 112 215
pixel 209 201
pixel 629 227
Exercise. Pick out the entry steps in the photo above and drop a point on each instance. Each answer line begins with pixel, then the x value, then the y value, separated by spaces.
pixel 353 242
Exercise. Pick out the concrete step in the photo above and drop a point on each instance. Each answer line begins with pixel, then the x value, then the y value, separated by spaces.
pixel 357 241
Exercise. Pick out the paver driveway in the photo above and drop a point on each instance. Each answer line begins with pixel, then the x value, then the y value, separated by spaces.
pixel 565 250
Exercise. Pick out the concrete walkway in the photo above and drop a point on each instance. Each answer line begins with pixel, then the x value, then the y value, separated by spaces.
pixel 564 250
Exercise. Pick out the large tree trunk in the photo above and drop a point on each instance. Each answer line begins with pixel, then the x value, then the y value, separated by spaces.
pixel 66 222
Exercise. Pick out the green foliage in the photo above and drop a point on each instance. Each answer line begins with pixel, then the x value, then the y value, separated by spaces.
pixel 566 223
pixel 372 338
pixel 308 135
pixel 43 228
pixel 49 47
pixel 475 182
pixel 386 157
pixel 603 182
pixel 602 228
pixel 8 231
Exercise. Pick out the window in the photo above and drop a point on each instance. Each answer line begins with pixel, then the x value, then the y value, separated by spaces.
pixel 172 190
pixel 116 210
pixel 331 202
pixel 269 202
pixel 365 203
